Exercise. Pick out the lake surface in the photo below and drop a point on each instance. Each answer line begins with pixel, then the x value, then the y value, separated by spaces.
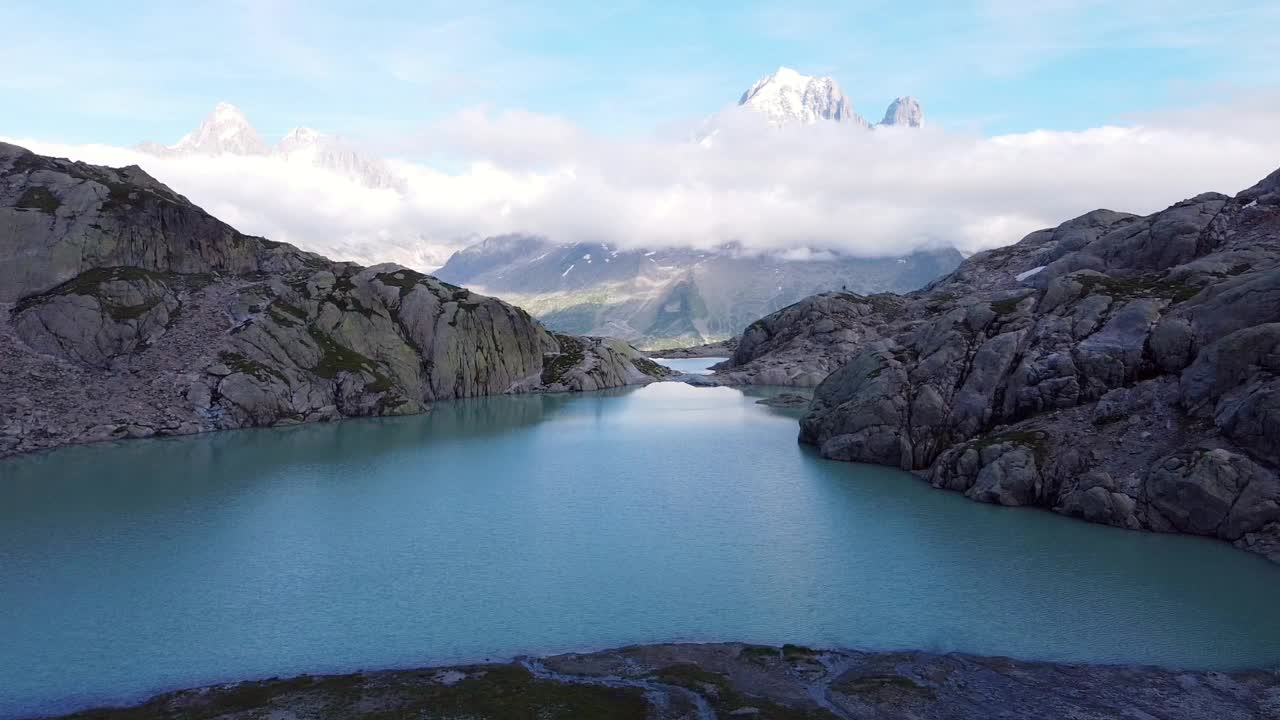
pixel 495 527
pixel 692 366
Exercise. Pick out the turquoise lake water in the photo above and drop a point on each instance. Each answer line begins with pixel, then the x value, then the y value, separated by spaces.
pixel 693 366
pixel 496 527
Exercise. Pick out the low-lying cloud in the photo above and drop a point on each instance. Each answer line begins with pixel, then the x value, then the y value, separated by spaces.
pixel 792 190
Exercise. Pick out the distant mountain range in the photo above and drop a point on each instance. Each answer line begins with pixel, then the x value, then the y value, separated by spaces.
pixel 655 298
pixel 678 297
pixel 227 131
pixel 785 97
pixel 673 297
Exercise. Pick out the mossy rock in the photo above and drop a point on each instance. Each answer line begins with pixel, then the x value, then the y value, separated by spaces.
pixel 759 654
pixel 878 685
pixel 724 699
pixel 240 363
pixel 495 692
pixel 1036 440
pixel 1008 306
pixel 89 283
pixel 1137 286
pixel 572 354
pixel 38 198
pixel 651 368
pixel 405 280
pixel 337 358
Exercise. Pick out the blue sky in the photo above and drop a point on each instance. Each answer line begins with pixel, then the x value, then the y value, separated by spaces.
pixel 93 72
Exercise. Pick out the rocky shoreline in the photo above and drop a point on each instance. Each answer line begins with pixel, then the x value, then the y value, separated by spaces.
pixel 1120 369
pixel 733 680
pixel 126 311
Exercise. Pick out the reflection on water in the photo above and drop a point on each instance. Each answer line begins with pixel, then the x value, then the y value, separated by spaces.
pixel 692 366
pixel 497 526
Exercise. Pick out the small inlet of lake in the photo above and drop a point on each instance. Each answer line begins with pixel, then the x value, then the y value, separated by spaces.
pixel 495 527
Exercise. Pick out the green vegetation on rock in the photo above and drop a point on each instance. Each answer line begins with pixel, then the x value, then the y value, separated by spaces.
pixel 238 362
pixel 1138 286
pixel 1008 306
pixel 337 358
pixel 1036 440
pixel 880 685
pixel 650 368
pixel 492 692
pixel 572 353
pixel 38 198
pixel 406 280
pixel 725 700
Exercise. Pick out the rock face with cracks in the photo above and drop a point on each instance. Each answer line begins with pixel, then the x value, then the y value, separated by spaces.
pixel 127 311
pixel 1120 369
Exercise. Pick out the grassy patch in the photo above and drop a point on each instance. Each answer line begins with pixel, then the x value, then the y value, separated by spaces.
pixel 715 687
pixel 758 653
pixel 286 314
pixel 1138 286
pixel 798 652
pixel 406 280
pixel 119 195
pixel 293 310
pixel 243 364
pixel 488 693
pixel 1008 306
pixel 349 303
pixel 881 685
pixel 89 283
pixel 38 198
pixel 650 368
pixel 129 312
pixel 1036 440
pixel 337 358
pixel 572 353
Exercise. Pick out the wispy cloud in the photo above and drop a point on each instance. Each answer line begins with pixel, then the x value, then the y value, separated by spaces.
pixel 812 188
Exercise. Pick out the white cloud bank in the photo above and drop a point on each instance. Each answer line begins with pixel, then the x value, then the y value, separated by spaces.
pixel 822 187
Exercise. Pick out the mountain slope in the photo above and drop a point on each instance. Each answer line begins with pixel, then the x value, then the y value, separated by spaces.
pixel 1121 369
pixel 127 311
pixel 904 112
pixel 323 150
pixel 673 297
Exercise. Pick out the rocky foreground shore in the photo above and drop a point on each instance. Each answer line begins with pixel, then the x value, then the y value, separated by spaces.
pixel 701 682
pixel 126 311
pixel 1117 368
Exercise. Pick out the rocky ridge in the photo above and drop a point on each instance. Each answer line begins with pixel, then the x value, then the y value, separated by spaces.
pixel 1120 369
pixel 126 311
pixel 732 680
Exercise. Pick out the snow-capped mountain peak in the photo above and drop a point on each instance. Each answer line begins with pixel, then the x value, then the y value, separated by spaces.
pixel 904 112
pixel 226 130
pixel 787 97
pixel 319 149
